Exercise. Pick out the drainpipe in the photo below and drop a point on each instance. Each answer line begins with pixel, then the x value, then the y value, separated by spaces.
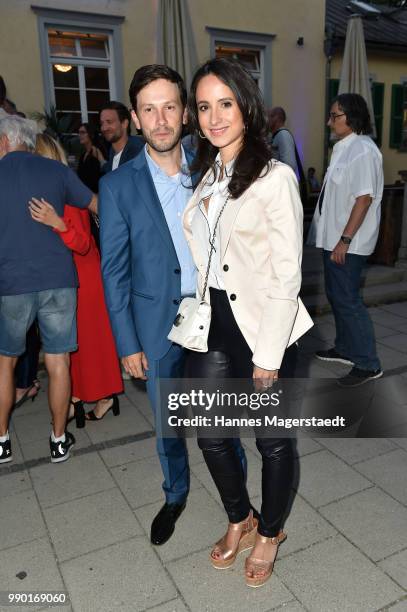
pixel 328 50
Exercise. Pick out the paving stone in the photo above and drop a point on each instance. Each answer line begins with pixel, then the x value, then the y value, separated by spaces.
pixel 304 526
pixel 333 575
pixel 38 562
pixel 305 446
pixel 127 576
pixel 362 516
pixel 141 481
pixel 133 451
pixel 110 427
pixel 389 472
pixel 388 319
pixel 20 519
pixel 397 341
pixel 14 483
pixel 290 606
pixel 399 607
pixel 210 590
pixel 176 605
pixel 72 479
pixel 201 524
pixel 93 522
pixel 401 441
pixel 325 478
pixel 399 309
pixel 33 426
pixel 353 450
pixel 390 358
pixel 396 567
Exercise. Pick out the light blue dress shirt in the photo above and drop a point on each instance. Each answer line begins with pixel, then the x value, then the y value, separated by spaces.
pixel 174 193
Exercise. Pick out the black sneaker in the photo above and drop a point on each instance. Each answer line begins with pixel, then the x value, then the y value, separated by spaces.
pixel 357 377
pixel 5 452
pixel 60 450
pixel 332 355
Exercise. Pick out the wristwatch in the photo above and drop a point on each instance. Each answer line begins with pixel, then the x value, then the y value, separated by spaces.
pixel 346 239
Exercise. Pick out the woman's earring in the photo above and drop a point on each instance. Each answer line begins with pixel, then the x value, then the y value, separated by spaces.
pixel 201 135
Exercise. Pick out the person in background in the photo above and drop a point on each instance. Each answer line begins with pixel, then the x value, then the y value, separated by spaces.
pixel 27 383
pixel 248 208
pixel 282 141
pixel 115 121
pixel 346 226
pixel 95 371
pixel 313 182
pixel 92 158
pixel 3 94
pixel 37 275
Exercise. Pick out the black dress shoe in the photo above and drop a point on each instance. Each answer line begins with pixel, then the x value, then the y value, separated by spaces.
pixel 163 525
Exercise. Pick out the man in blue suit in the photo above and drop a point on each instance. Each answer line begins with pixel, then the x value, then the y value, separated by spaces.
pixel 115 126
pixel 146 263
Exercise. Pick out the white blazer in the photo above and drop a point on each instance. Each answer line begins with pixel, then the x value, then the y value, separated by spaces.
pixel 261 250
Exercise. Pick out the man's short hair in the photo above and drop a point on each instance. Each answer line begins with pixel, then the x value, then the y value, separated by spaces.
pixel 19 131
pixel 279 112
pixel 152 72
pixel 122 112
pixel 357 114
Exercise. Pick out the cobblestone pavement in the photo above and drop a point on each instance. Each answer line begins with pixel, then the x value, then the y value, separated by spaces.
pixel 82 527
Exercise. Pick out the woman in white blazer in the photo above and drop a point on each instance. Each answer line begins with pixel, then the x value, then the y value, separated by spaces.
pixel 254 281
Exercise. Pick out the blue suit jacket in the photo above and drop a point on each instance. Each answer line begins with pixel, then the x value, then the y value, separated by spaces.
pixel 131 150
pixel 141 272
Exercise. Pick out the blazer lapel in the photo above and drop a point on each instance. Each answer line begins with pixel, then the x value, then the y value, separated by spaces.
pixel 145 187
pixel 227 221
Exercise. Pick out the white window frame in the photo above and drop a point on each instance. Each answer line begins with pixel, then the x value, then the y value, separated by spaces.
pixel 75 21
pixel 248 40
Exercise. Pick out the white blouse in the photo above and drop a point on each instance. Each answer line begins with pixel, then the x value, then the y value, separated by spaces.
pixel 203 221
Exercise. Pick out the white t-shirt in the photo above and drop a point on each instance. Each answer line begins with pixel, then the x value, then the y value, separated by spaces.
pixel 116 160
pixel 356 169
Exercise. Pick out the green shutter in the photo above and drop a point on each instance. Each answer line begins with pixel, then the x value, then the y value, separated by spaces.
pixel 378 99
pixel 333 86
pixel 396 116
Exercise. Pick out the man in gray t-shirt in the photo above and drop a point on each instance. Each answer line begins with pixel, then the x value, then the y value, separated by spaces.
pixel 282 141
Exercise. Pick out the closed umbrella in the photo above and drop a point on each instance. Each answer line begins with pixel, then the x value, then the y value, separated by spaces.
pixel 176 46
pixel 355 72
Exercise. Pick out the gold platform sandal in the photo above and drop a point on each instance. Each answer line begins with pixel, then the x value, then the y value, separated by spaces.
pixel 258 571
pixel 227 556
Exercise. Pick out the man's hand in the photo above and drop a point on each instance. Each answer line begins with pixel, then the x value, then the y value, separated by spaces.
pixel 136 365
pixel 263 379
pixel 339 253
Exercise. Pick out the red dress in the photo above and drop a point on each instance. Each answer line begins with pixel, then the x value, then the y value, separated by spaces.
pixel 95 369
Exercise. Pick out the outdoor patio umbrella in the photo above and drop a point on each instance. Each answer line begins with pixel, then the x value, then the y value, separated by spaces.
pixel 176 46
pixel 355 72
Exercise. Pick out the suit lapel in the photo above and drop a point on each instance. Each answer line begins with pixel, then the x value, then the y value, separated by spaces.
pixel 145 187
pixel 227 221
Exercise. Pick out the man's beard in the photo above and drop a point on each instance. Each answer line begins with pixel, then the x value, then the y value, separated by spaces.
pixel 114 138
pixel 168 145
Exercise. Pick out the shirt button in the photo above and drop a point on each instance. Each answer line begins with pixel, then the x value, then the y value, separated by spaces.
pixel 176 302
pixel 226 267
pixel 232 297
pixel 177 271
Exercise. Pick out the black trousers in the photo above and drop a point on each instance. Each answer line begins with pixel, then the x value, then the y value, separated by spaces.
pixel 229 356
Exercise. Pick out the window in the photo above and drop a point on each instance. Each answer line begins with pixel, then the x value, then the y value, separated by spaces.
pixel 79 74
pixel 252 50
pixel 81 58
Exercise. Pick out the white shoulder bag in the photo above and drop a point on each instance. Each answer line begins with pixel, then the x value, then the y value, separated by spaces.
pixel 191 325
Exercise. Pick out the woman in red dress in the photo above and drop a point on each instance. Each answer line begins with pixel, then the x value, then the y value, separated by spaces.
pixel 95 370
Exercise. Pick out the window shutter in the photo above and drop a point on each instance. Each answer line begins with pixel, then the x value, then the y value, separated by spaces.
pixel 396 116
pixel 378 99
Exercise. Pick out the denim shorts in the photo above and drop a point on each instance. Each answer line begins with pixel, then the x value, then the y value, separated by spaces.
pixel 55 310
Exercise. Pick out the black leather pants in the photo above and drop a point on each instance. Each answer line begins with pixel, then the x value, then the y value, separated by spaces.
pixel 229 356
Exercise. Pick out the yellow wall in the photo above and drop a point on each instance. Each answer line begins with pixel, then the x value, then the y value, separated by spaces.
pixel 297 72
pixel 387 70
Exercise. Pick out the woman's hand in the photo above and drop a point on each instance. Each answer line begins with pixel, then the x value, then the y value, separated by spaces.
pixel 264 379
pixel 45 213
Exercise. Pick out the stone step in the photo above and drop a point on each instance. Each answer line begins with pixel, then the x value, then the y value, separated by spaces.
pixel 313 282
pixel 373 295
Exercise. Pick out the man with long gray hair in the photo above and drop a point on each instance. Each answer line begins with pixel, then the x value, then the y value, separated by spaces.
pixel 37 274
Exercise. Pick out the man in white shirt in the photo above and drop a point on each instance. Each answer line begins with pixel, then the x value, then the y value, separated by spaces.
pixel 346 223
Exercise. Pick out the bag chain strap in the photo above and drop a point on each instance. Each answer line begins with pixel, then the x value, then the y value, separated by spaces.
pixel 212 243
